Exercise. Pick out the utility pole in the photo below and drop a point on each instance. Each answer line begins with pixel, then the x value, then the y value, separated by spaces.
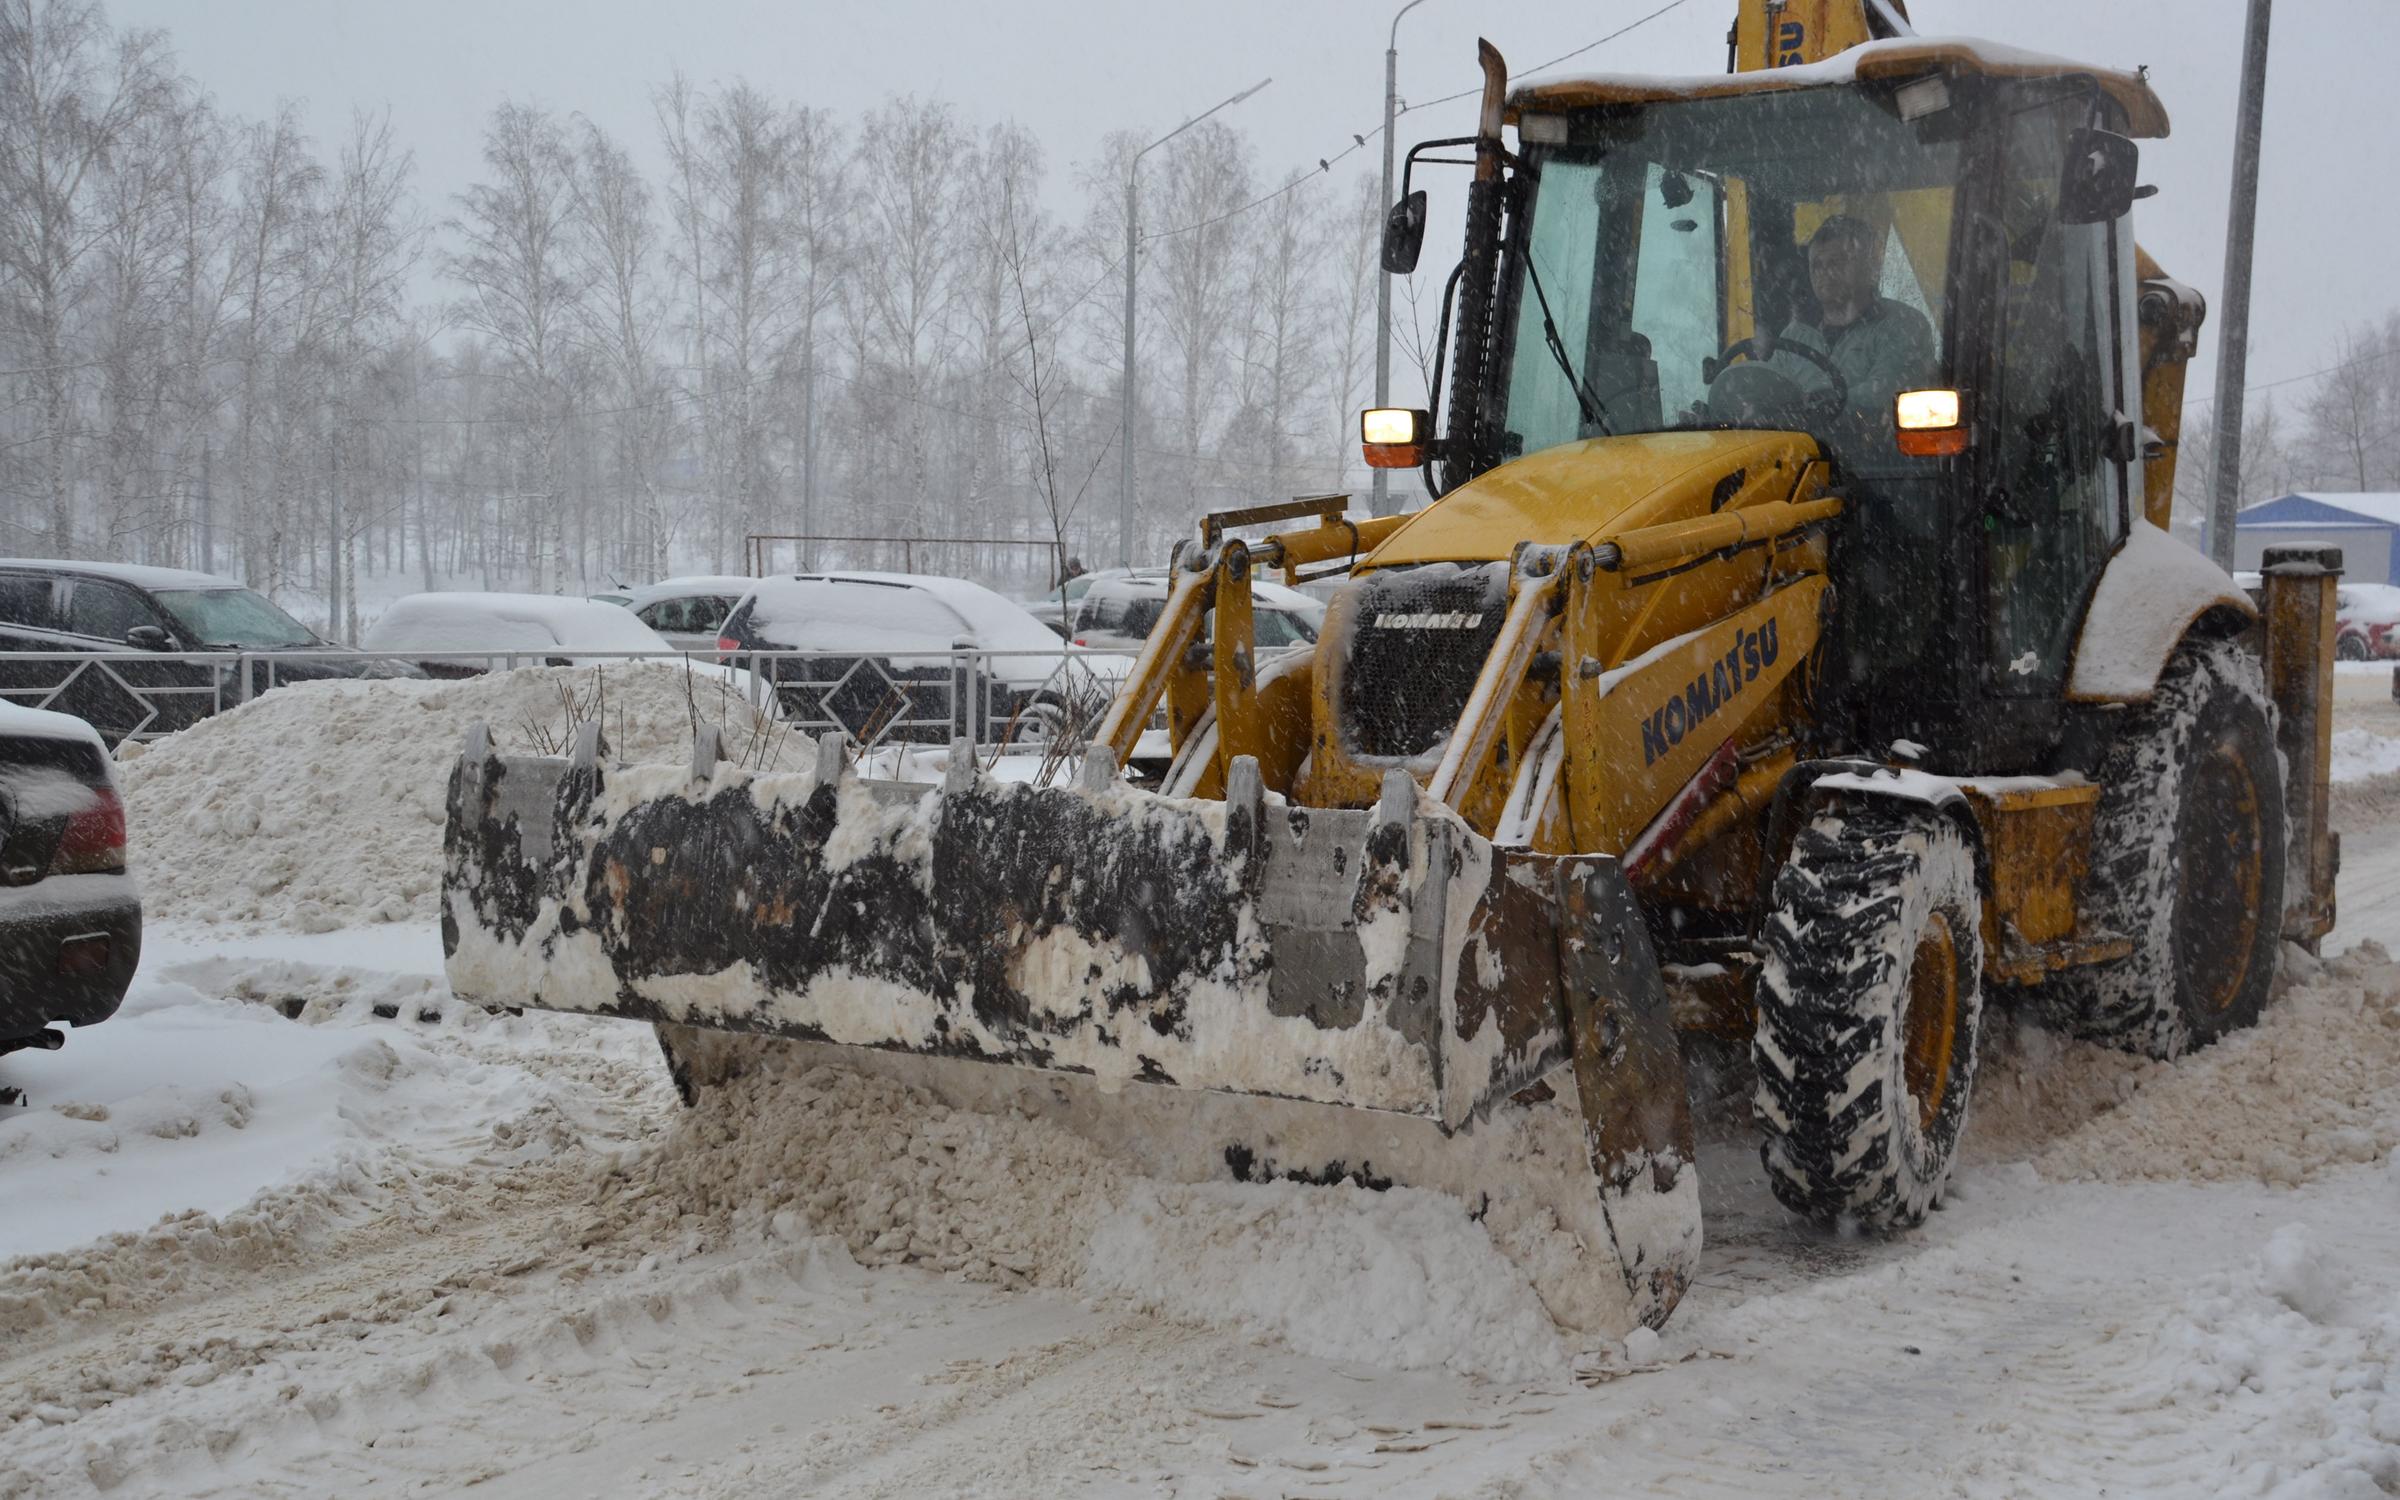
pixel 208 515
pixel 1382 503
pixel 2233 341
pixel 1132 246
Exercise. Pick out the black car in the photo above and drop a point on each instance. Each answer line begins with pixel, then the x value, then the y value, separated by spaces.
pixel 91 607
pixel 70 916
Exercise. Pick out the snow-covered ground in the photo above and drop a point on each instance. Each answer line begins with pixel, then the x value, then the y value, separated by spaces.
pixel 296 1223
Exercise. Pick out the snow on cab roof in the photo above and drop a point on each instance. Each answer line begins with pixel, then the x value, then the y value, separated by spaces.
pixel 1897 58
pixel 41 724
pixel 140 575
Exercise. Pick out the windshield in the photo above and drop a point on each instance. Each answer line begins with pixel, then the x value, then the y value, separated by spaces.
pixel 233 617
pixel 1663 233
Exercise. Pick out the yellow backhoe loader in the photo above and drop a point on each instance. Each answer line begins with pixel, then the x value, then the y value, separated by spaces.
pixel 1794 653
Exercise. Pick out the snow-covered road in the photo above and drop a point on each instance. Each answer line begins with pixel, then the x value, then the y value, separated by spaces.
pixel 414 1249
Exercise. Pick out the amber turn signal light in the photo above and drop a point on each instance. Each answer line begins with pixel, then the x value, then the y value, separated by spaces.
pixel 1930 423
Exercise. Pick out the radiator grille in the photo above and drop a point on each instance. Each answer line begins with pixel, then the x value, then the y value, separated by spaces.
pixel 1417 643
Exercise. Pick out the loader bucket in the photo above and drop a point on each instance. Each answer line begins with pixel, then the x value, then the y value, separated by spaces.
pixel 1382 959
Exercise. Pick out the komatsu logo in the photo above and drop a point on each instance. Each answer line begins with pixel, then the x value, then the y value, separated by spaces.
pixel 1430 619
pixel 1706 693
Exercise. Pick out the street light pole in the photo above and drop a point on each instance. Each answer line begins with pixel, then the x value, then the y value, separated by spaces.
pixel 1132 247
pixel 1382 502
pixel 2233 337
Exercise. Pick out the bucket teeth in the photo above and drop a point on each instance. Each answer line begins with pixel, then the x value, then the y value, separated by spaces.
pixel 1245 807
pixel 478 747
pixel 1098 771
pixel 833 758
pixel 706 752
pixel 588 746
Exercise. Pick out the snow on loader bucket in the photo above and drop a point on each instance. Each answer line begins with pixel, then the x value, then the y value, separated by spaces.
pixel 1384 959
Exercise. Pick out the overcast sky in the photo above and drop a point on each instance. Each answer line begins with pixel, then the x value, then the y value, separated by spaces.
pixel 1071 70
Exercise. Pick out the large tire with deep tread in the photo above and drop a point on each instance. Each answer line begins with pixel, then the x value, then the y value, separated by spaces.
pixel 1870 1010
pixel 2188 852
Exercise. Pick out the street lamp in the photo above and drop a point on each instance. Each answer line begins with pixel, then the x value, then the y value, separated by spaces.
pixel 1132 239
pixel 1382 503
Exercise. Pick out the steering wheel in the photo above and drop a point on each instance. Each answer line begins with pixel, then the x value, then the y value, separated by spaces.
pixel 1752 390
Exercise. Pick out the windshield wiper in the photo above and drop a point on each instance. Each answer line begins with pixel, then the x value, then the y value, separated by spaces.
pixel 1594 410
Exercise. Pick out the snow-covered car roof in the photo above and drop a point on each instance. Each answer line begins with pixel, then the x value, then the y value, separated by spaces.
pixel 2368 603
pixel 41 724
pixel 903 613
pixel 853 611
pixel 729 585
pixel 476 622
pixel 1262 593
pixel 139 575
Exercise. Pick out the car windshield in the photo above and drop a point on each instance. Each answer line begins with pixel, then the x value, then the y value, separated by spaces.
pixel 233 617
pixel 1665 232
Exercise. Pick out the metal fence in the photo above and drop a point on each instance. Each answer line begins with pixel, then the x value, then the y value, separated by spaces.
pixel 1035 701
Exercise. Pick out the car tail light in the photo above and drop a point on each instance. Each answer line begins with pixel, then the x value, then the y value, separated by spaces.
pixel 94 842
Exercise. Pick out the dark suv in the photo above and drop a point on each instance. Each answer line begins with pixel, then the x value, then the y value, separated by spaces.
pixel 93 607
pixel 70 917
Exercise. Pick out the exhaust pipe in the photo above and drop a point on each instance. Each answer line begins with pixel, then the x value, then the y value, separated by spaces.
pixel 44 1040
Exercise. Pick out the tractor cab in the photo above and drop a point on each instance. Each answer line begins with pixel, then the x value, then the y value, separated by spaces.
pixel 1919 256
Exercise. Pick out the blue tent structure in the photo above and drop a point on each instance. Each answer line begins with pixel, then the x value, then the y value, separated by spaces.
pixel 2365 526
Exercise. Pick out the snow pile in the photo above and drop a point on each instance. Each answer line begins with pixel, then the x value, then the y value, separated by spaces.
pixel 2359 754
pixel 2314 1087
pixel 1403 1278
pixel 2293 1368
pixel 320 805
pixel 246 1142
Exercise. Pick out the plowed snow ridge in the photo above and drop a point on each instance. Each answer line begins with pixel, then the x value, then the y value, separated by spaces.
pixel 319 805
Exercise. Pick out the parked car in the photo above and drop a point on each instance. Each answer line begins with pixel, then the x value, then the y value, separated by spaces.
pixel 1056 609
pixel 880 663
pixel 689 612
pixel 93 607
pixel 2366 621
pixel 1118 613
pixel 70 916
pixel 459 634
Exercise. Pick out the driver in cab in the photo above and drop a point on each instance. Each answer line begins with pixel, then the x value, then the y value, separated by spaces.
pixel 1879 345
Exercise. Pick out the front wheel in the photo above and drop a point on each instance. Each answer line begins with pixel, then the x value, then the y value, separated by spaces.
pixel 1870 1011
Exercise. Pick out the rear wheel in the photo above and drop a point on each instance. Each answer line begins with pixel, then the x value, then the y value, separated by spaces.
pixel 2350 647
pixel 2188 852
pixel 1870 1010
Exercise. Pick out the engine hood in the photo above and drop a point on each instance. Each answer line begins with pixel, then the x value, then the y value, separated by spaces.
pixel 1586 490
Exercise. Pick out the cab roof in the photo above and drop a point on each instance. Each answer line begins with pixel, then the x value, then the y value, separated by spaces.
pixel 1898 58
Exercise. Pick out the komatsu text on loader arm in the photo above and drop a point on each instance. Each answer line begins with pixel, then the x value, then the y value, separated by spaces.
pixel 1793 654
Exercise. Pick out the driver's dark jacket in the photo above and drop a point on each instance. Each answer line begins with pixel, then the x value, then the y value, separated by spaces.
pixel 1888 349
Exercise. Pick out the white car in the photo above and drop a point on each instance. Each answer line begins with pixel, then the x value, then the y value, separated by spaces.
pixel 689 612
pixel 1118 613
pixel 460 634
pixel 879 658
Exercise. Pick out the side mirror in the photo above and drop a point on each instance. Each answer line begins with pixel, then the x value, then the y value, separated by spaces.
pixel 1404 234
pixel 147 638
pixel 2096 184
